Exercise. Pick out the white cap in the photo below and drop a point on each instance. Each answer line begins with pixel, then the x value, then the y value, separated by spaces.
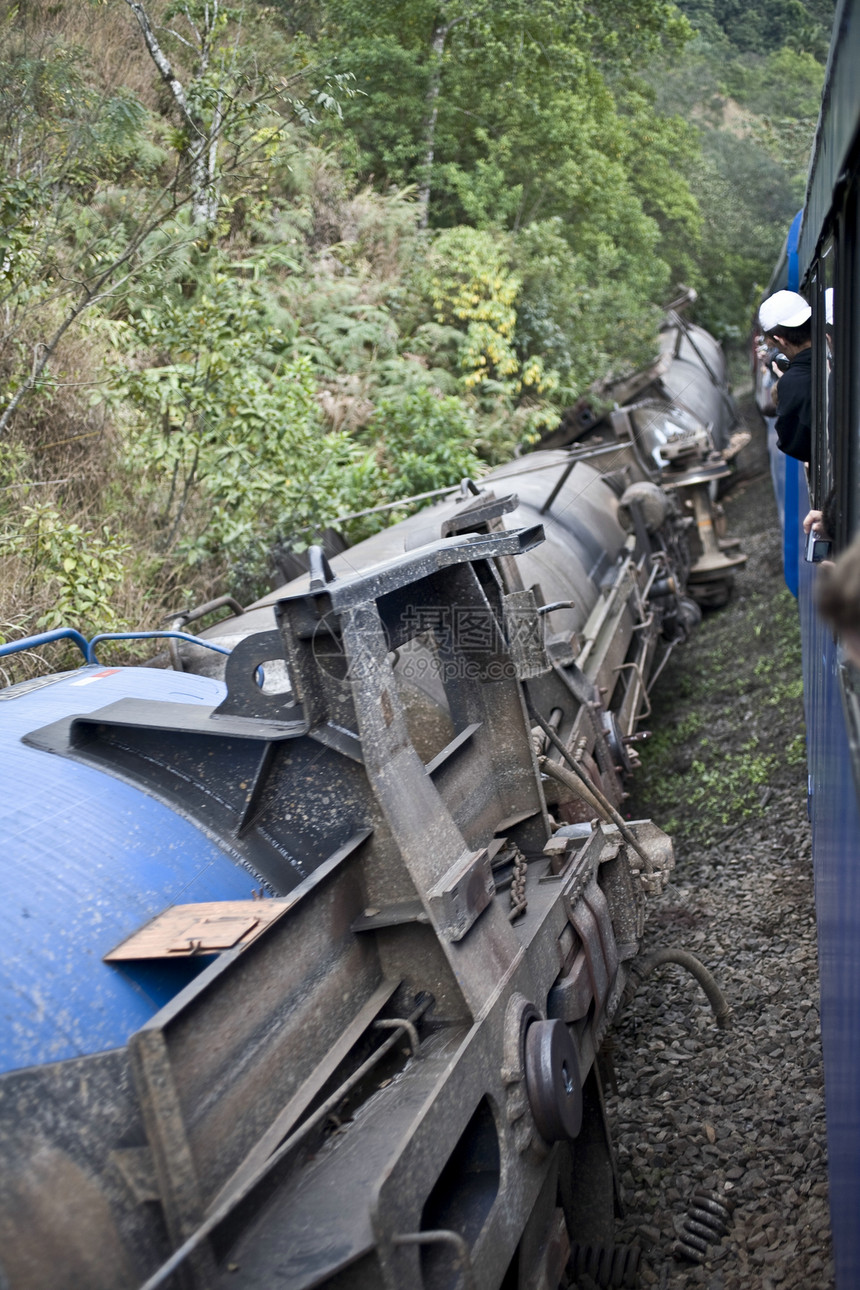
pixel 784 309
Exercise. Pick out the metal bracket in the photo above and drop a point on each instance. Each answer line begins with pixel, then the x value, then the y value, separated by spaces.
pixel 523 628
pixel 348 592
pixel 245 698
pixel 479 515
pixel 462 894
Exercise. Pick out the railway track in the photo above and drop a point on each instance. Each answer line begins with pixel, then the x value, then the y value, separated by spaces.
pixel 738 1112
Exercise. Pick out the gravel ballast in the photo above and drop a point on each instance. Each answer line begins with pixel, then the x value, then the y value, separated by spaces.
pixel 739 1112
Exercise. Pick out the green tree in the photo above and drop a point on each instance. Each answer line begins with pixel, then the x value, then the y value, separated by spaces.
pixel 229 444
pixel 69 241
pixel 578 313
pixel 515 100
pixel 230 94
pixel 507 115
pixel 801 25
pixel 750 201
pixel 754 109
pixel 785 85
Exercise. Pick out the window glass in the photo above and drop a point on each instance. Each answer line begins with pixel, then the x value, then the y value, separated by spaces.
pixel 848 391
pixel 823 464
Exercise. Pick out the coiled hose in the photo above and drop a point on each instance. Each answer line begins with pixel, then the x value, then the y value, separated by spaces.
pixel 646 964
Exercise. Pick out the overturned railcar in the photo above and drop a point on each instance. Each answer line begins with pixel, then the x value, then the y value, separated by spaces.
pixel 677 419
pixel 306 969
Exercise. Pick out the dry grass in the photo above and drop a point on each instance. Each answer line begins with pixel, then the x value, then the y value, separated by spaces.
pixel 107 32
pixel 383 229
pixel 67 456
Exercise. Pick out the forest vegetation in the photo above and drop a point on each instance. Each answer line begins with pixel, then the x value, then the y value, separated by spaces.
pixel 266 265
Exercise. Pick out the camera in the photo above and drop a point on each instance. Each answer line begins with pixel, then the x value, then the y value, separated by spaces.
pixel 817 548
pixel 782 361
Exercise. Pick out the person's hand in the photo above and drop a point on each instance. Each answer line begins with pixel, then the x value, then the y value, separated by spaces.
pixel 812 522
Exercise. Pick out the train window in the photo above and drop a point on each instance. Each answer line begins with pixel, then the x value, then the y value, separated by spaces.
pixel 849 677
pixel 848 387
pixel 824 472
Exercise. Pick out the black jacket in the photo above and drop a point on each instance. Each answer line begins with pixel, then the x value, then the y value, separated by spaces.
pixel 794 408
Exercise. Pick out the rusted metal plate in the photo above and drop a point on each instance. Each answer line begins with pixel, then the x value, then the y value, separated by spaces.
pixel 511 821
pixel 184 930
pixel 305 1094
pixel 463 893
pixel 524 630
pixel 217 932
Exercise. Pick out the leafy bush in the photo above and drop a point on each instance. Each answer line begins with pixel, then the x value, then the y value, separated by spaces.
pixel 466 278
pixel 229 446
pixel 73 571
pixel 576 314
pixel 424 442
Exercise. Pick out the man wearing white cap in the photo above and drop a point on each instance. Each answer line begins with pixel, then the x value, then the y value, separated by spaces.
pixel 785 319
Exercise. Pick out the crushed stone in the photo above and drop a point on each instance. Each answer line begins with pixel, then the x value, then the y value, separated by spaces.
pixel 739 1112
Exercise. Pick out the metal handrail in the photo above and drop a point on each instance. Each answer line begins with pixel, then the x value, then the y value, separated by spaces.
pixel 145 636
pixel 88 649
pixel 46 638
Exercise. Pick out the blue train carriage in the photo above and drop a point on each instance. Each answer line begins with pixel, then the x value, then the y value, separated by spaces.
pixel 821 260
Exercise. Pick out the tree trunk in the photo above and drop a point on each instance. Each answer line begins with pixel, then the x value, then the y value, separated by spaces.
pixel 202 145
pixel 437 49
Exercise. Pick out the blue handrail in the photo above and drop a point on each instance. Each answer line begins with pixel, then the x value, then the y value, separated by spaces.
pixel 45 638
pixel 88 648
pixel 145 636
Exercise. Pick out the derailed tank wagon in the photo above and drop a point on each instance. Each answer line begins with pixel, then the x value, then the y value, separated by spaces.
pixel 308 969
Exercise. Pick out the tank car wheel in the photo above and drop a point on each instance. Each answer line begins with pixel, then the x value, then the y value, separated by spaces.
pixel 553 1081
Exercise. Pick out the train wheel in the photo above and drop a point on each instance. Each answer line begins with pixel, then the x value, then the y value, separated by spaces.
pixel 589 1191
